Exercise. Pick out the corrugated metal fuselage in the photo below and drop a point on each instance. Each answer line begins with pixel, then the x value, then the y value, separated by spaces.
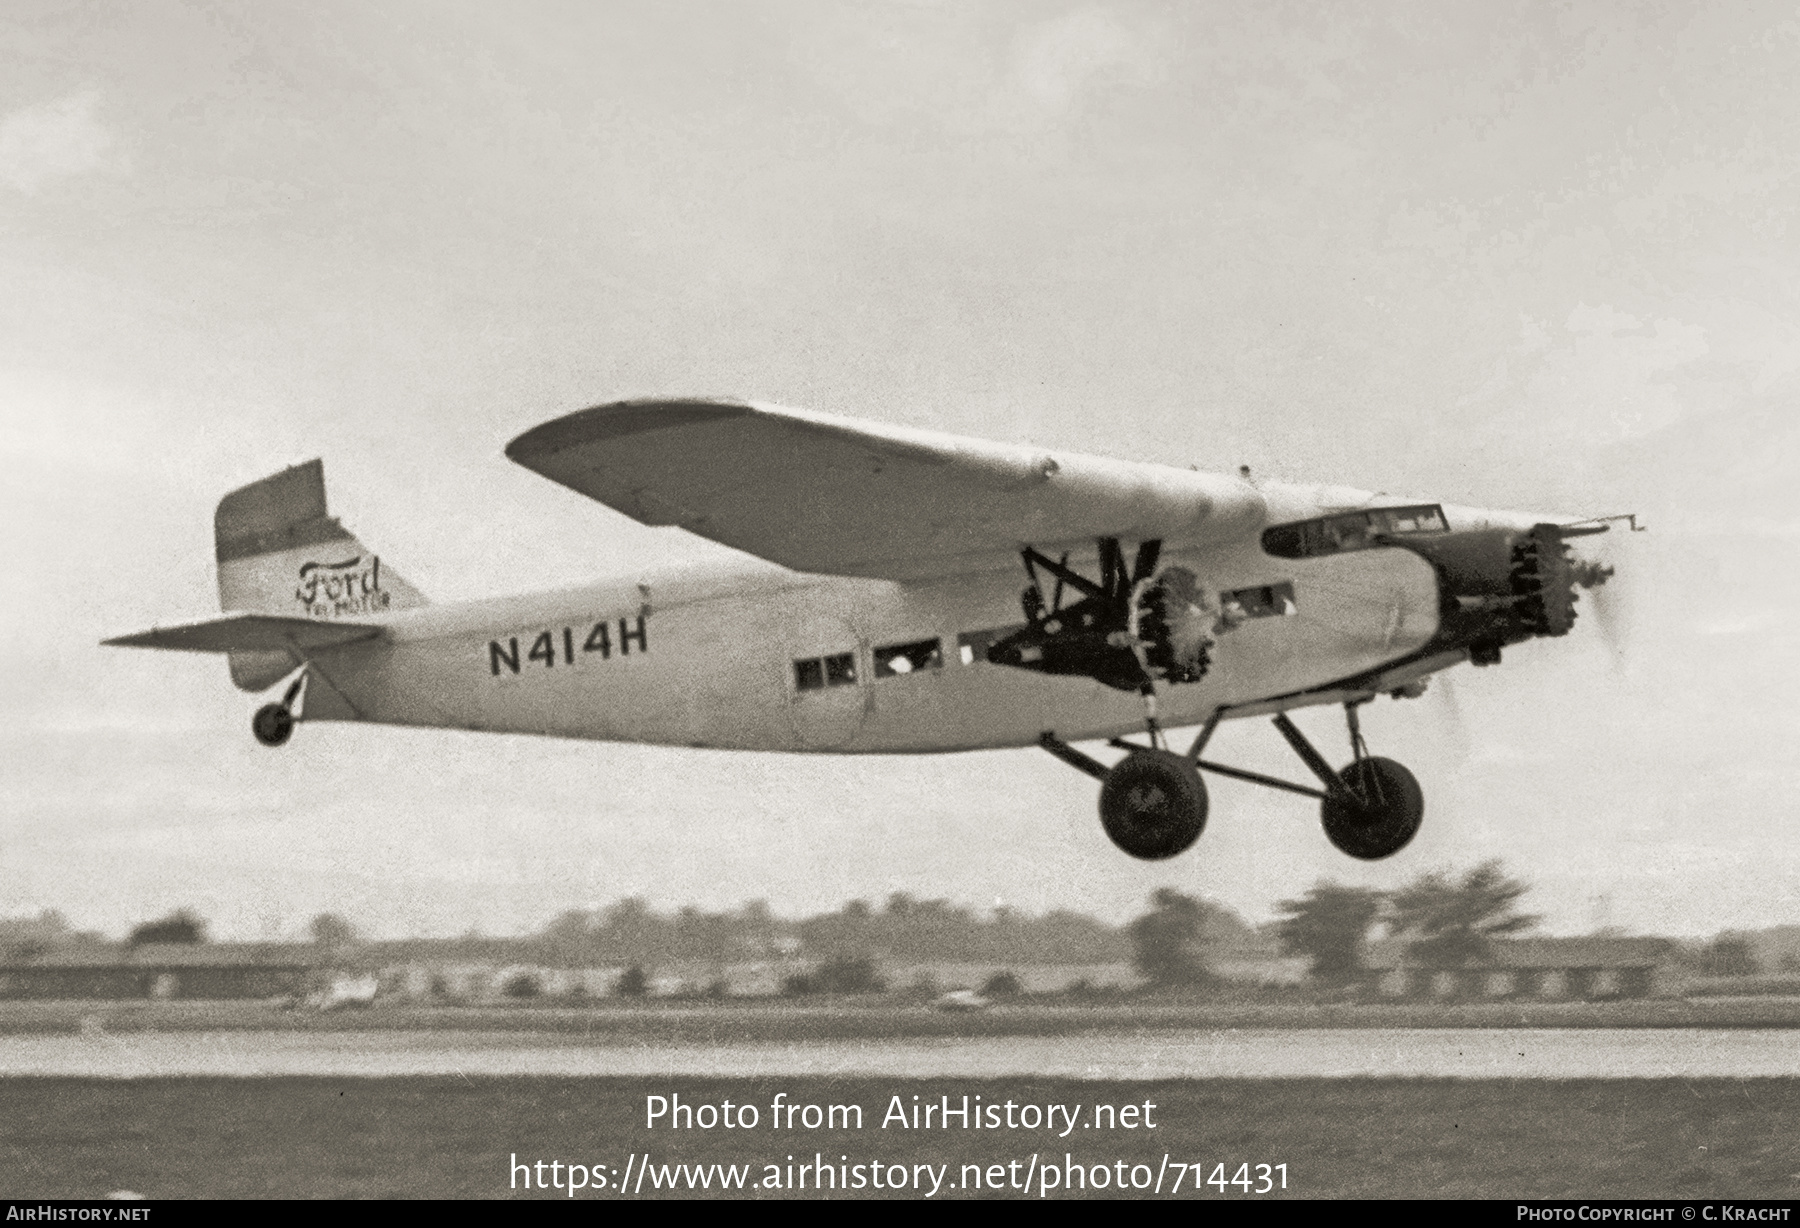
pixel 713 658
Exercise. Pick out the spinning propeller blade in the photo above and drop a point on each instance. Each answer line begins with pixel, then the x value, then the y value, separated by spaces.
pixel 1605 600
pixel 1450 713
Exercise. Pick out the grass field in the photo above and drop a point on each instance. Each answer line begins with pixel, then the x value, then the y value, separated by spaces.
pixel 195 1138
pixel 765 1020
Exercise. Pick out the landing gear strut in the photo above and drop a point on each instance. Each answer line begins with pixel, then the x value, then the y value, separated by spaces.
pixel 1153 802
pixel 1377 811
pixel 1376 808
pixel 273 724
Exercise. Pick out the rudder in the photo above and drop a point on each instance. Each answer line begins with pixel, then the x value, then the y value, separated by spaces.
pixel 279 551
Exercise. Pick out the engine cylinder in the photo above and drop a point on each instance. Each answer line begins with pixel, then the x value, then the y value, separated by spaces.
pixel 1172 624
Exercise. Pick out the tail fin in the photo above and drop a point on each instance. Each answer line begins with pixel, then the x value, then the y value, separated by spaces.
pixel 279 552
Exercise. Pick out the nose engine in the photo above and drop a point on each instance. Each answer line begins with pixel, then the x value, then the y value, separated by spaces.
pixel 1502 586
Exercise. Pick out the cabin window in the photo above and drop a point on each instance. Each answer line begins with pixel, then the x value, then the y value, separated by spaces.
pixel 1264 601
pixel 840 670
pixel 972 646
pixel 1305 539
pixel 898 659
pixel 815 674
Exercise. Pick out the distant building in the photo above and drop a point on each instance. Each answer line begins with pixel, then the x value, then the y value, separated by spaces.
pixel 1546 969
pixel 199 970
pixel 474 969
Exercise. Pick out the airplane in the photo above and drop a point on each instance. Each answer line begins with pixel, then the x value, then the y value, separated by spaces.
pixel 882 612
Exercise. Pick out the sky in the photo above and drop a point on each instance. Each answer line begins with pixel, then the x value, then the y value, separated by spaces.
pixel 1508 255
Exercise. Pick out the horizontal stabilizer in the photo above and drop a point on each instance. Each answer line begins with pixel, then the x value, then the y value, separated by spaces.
pixel 249 633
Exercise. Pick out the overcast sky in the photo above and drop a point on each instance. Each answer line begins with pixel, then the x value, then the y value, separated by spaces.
pixel 1529 255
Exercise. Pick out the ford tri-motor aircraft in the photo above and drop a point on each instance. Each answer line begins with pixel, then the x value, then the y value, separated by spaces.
pixel 894 622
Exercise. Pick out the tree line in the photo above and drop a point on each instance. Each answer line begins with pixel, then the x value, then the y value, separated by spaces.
pixel 901 929
pixel 1446 922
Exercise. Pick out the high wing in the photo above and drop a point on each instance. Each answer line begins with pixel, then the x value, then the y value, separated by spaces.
pixel 249 633
pixel 824 494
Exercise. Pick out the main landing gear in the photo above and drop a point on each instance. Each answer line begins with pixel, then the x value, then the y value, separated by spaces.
pixel 273 724
pixel 1153 802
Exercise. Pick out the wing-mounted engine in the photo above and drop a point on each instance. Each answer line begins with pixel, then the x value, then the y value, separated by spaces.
pixel 1172 624
pixel 1133 627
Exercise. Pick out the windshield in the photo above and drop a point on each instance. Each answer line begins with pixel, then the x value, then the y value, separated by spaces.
pixel 1304 539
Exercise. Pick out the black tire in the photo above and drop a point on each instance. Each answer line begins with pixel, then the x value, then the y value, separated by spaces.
pixel 1381 814
pixel 1153 804
pixel 273 724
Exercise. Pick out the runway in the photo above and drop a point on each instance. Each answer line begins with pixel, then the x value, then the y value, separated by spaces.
pixel 1456 1053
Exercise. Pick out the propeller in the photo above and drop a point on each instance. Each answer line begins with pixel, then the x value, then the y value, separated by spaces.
pixel 1606 596
pixel 1606 601
pixel 1449 714
pixel 1445 709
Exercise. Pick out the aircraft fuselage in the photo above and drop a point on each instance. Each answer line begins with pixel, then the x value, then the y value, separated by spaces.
pixel 757 658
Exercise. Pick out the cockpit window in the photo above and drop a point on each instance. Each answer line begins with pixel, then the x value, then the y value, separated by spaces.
pixel 1426 519
pixel 1305 539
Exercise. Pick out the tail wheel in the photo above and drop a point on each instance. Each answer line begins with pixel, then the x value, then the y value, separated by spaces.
pixel 1378 812
pixel 1153 804
pixel 273 724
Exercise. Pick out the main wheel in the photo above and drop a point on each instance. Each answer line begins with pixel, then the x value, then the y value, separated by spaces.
pixel 1380 813
pixel 273 724
pixel 1153 804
